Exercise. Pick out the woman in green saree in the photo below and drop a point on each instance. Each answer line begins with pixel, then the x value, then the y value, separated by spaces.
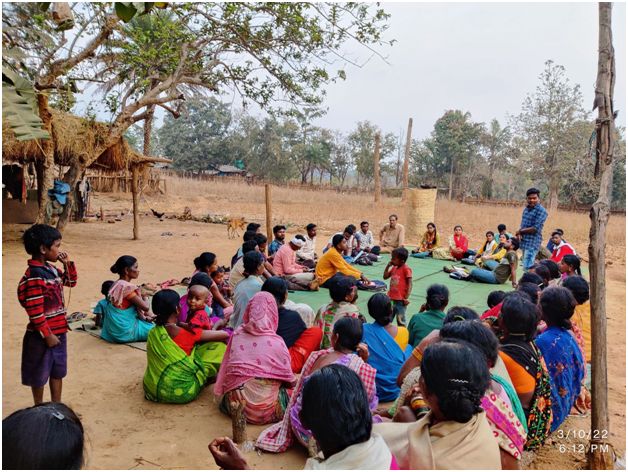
pixel 178 366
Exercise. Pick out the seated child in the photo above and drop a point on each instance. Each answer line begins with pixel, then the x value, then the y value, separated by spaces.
pixel 99 309
pixel 185 335
pixel 218 276
pixel 197 300
pixel 203 280
pixel 198 296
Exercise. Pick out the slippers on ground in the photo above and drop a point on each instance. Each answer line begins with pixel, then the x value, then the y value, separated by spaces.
pixel 76 316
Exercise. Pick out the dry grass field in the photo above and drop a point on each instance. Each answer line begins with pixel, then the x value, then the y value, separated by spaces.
pixel 332 211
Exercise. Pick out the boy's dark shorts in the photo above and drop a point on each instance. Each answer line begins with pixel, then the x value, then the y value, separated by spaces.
pixel 399 311
pixel 40 362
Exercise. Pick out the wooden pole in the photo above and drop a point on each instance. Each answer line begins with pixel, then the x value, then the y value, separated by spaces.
pixel 406 162
pixel 269 211
pixel 23 189
pixel 136 203
pixel 600 452
pixel 376 173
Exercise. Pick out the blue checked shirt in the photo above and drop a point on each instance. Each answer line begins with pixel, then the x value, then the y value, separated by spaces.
pixel 533 217
pixel 273 247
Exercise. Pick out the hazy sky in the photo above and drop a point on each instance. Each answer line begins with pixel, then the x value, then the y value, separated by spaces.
pixel 481 58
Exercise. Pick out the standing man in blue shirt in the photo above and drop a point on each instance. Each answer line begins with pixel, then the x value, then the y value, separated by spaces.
pixel 532 221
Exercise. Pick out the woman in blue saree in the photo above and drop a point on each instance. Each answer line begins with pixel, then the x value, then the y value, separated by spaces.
pixel 127 315
pixel 561 352
pixel 388 346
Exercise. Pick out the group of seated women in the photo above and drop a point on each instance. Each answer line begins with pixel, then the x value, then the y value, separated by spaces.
pixel 486 256
pixel 464 388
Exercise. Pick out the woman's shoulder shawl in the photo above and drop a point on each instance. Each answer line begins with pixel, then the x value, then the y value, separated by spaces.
pixel 120 290
pixel 507 427
pixel 513 397
pixel 446 445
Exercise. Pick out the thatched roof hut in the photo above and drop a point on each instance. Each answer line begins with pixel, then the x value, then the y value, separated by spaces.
pixel 74 138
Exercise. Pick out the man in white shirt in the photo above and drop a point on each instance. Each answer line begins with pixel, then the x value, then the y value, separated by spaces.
pixel 365 242
pixel 348 234
pixel 306 256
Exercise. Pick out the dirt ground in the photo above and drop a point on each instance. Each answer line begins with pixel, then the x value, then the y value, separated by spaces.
pixel 104 383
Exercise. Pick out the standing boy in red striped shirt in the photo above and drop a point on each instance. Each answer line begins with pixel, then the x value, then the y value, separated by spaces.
pixel 40 292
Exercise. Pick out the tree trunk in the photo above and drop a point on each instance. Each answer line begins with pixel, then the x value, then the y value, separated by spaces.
pixel 376 176
pixel 489 188
pixel 451 178
pixel 600 453
pixel 136 202
pixel 554 185
pixel 398 166
pixel 148 124
pixel 406 163
pixel 47 165
pixel 148 128
pixel 71 177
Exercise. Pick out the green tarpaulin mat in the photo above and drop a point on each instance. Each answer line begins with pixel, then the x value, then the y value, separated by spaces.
pixel 425 272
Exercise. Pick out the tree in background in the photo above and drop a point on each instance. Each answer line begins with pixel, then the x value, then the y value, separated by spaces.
pixel 362 144
pixel 198 139
pixel 341 157
pixel 149 50
pixel 305 156
pixel 455 141
pixel 619 170
pixel 268 53
pixel 496 143
pixel 577 186
pixel 547 126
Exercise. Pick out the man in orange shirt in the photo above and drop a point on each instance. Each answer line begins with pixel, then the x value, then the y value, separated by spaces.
pixel 332 265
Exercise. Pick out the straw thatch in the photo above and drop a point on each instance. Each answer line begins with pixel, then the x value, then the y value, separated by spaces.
pixel 421 207
pixel 74 139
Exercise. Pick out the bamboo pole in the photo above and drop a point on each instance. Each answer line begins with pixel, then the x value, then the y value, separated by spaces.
pixel 600 452
pixel 269 211
pixel 376 174
pixel 136 215
pixel 406 162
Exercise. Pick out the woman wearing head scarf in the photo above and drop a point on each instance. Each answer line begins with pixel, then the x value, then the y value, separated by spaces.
pixel 256 367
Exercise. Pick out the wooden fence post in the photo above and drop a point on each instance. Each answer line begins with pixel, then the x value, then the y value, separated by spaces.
pixel 406 163
pixel 136 203
pixel 376 174
pixel 600 453
pixel 269 211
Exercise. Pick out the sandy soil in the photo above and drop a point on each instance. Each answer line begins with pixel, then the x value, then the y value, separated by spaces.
pixel 104 383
